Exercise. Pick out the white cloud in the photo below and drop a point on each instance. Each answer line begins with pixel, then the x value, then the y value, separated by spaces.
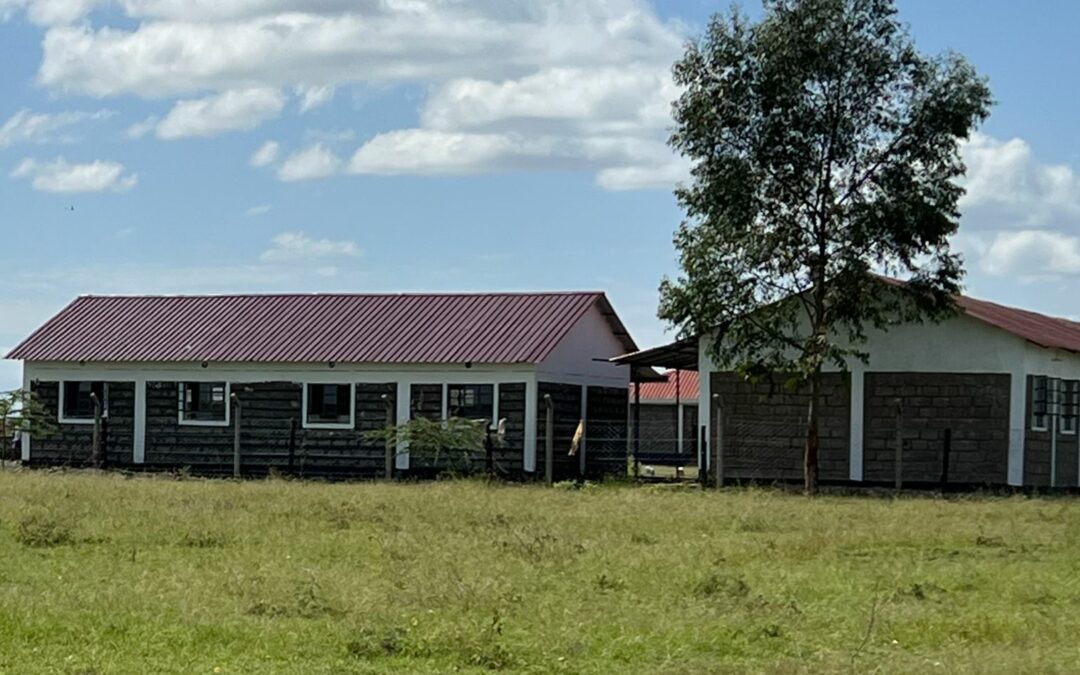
pixel 1032 254
pixel 559 85
pixel 265 155
pixel 1007 187
pixel 314 97
pixel 60 176
pixel 290 246
pixel 259 210
pixel 26 126
pixel 233 110
pixel 140 129
pixel 314 162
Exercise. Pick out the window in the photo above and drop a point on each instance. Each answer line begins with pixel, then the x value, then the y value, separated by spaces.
pixel 1070 405
pixel 76 406
pixel 328 406
pixel 205 403
pixel 471 401
pixel 1039 403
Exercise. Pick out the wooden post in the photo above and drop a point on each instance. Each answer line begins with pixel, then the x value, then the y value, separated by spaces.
pixel 899 460
pixel 946 450
pixel 549 441
pixel 391 445
pixel 95 452
pixel 703 453
pixel 718 421
pixel 292 444
pixel 637 426
pixel 236 435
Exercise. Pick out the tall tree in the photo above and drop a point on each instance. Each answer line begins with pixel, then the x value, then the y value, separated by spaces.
pixel 824 147
pixel 21 412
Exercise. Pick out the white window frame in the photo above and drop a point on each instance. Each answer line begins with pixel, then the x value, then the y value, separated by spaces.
pixel 329 425
pixel 494 397
pixel 202 423
pixel 1045 426
pixel 1070 391
pixel 60 418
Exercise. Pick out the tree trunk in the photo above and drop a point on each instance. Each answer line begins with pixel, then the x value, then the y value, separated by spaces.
pixel 810 457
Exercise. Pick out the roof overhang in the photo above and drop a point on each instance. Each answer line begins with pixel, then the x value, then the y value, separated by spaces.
pixel 682 355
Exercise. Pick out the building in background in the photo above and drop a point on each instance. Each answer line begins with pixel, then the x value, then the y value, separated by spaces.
pixel 314 372
pixel 667 419
pixel 988 397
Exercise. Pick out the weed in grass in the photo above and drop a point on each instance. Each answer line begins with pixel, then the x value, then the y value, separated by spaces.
pixel 605 584
pixel 718 585
pixel 302 601
pixel 43 531
pixel 371 643
pixel 642 539
pixel 202 540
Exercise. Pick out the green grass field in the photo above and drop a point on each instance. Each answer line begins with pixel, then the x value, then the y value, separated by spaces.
pixel 107 574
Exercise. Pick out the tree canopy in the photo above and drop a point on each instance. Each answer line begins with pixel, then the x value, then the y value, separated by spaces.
pixel 825 150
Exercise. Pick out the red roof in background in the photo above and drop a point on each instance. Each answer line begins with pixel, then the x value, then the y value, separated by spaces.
pixel 400 328
pixel 687 387
pixel 1039 329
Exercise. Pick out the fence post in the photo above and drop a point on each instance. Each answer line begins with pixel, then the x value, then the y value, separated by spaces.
pixel 703 454
pixel 95 452
pixel 637 426
pixel 945 452
pixel 292 443
pixel 549 441
pixel 391 444
pixel 719 421
pixel 236 435
pixel 899 460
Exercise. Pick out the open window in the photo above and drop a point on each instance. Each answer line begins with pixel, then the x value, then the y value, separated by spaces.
pixel 471 401
pixel 1070 405
pixel 76 404
pixel 1040 411
pixel 204 403
pixel 328 406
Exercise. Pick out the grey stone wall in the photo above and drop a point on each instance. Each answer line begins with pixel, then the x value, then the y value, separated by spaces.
pixel 605 429
pixel 975 407
pixel 764 428
pixel 567 402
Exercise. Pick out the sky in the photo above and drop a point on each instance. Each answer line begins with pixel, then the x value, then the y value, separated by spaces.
pixel 212 146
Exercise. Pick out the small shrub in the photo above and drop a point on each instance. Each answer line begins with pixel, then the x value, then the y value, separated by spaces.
pixel 605 583
pixel 372 644
pixel 202 540
pixel 721 586
pixel 642 538
pixel 41 531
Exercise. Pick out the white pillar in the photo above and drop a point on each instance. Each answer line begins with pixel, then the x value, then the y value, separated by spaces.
pixel 679 431
pixel 531 403
pixel 705 370
pixel 1017 424
pixel 138 441
pixel 855 428
pixel 403 398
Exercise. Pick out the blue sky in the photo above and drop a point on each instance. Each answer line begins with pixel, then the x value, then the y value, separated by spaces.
pixel 183 146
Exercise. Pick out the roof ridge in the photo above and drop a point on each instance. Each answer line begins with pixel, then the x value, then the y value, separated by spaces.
pixel 339 294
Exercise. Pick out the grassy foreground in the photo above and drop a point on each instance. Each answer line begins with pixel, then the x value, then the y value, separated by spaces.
pixel 106 574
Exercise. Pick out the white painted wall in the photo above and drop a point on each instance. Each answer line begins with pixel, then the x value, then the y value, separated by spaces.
pixel 581 357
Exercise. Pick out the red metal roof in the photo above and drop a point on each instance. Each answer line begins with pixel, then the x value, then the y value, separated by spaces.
pixel 1039 329
pixel 344 328
pixel 685 385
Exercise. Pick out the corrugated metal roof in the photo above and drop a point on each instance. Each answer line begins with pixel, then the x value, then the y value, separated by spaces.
pixel 1039 329
pixel 310 328
pixel 681 384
